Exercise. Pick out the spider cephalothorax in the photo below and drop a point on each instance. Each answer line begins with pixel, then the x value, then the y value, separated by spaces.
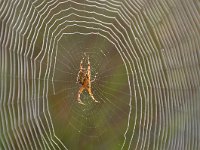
pixel 84 78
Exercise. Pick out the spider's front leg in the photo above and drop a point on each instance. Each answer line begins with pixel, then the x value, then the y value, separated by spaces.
pixel 81 63
pixel 89 89
pixel 89 72
pixel 80 70
pixel 88 69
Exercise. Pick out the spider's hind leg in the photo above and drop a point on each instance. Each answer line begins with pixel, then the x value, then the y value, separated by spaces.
pixel 90 92
pixel 79 95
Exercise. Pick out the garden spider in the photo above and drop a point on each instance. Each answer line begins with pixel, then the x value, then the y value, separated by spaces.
pixel 84 78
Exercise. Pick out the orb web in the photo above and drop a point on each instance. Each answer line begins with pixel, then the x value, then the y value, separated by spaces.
pixel 145 55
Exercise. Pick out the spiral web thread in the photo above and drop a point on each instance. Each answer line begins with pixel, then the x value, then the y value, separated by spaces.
pixel 158 43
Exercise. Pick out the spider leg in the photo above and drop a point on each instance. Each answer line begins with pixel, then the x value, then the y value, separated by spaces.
pixel 94 78
pixel 79 95
pixel 90 92
pixel 89 73
pixel 81 64
pixel 88 69
pixel 80 70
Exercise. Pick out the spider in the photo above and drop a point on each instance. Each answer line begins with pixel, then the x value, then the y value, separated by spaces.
pixel 84 78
